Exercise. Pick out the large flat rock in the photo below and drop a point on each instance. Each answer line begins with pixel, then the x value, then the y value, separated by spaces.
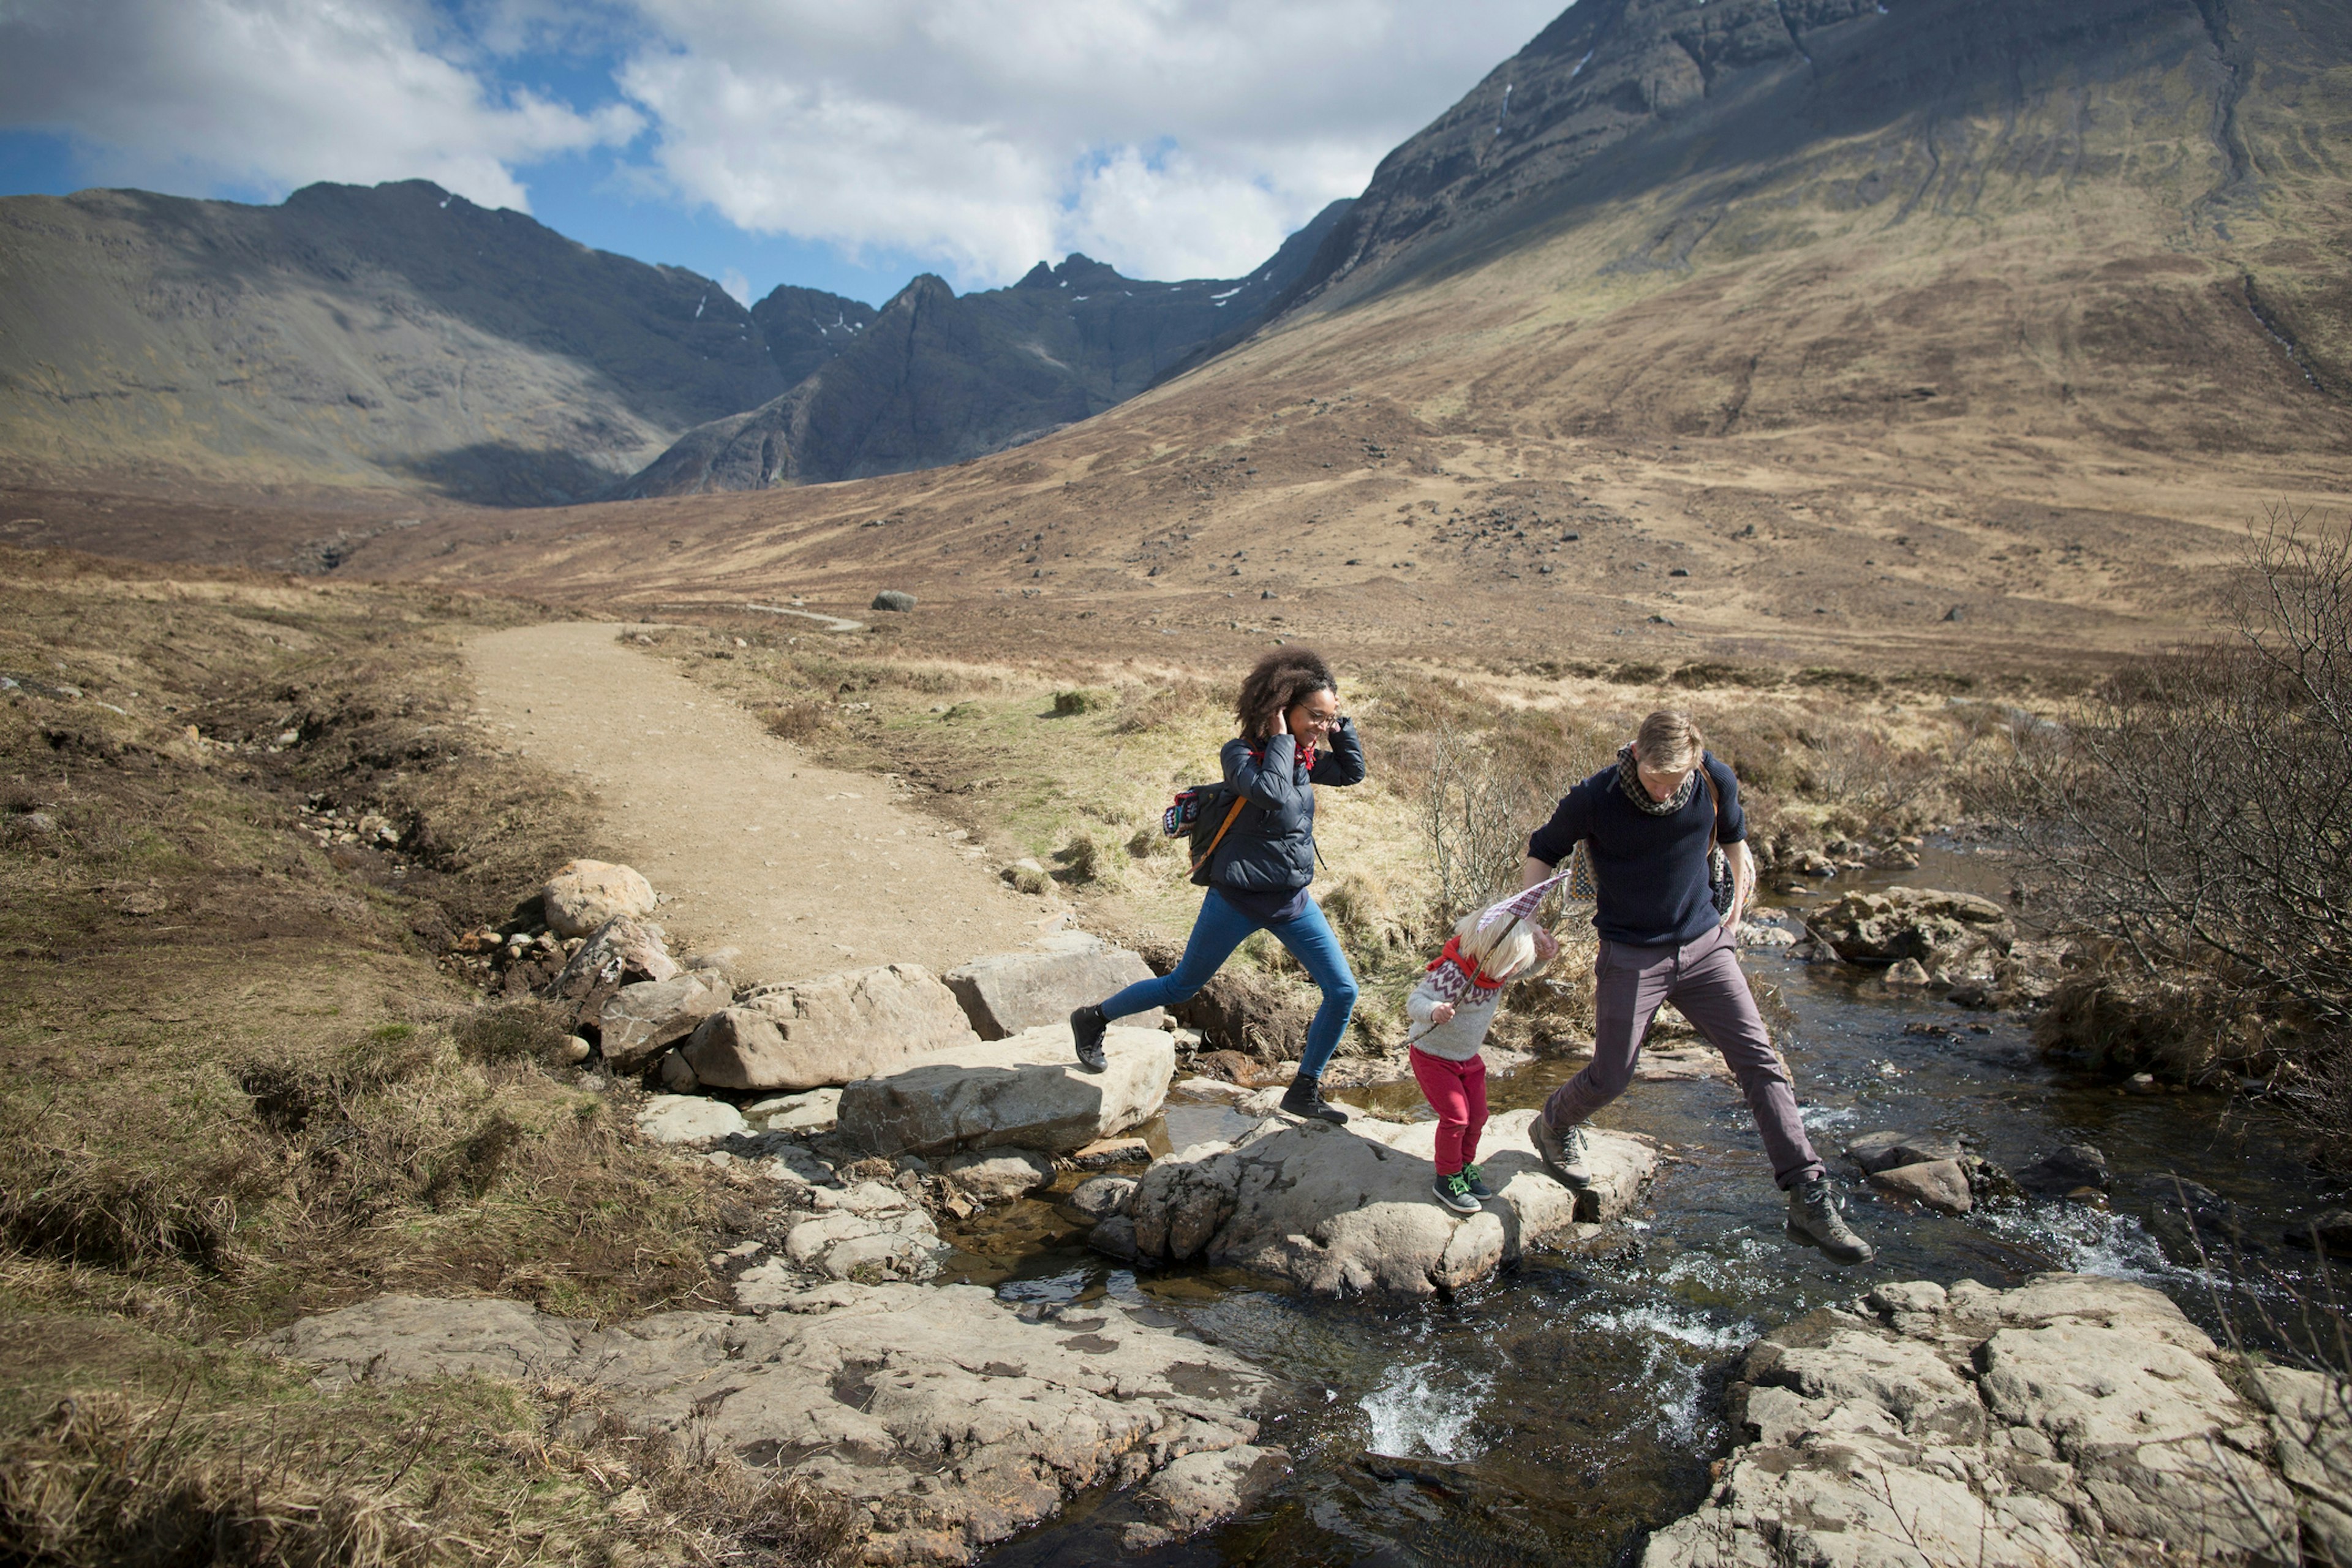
pixel 1025 1092
pixel 1007 993
pixel 948 1419
pixel 832 1030
pixel 1337 1210
pixel 2073 1420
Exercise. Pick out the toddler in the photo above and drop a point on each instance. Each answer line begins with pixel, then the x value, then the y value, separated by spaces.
pixel 1451 1009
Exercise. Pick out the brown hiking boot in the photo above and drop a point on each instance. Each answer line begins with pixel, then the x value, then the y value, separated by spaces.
pixel 1813 1217
pixel 1564 1153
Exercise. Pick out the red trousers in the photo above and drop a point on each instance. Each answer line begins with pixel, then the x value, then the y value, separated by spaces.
pixel 1458 1092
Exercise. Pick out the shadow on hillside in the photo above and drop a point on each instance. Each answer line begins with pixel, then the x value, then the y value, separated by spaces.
pixel 497 473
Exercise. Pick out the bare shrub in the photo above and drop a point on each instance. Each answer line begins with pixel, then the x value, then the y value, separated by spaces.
pixel 2192 811
pixel 1144 711
pixel 800 721
pixel 1482 795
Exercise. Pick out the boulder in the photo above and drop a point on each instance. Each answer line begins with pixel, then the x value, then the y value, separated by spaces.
pixel 2071 1421
pixel 814 1112
pixel 1105 1152
pixel 999 1175
pixel 622 950
pixel 870 1232
pixel 1941 1184
pixel 688 1119
pixel 584 894
pixel 1876 1151
pixel 827 1031
pixel 1955 932
pixel 1198 1490
pixel 1006 992
pixel 2066 1170
pixel 676 1076
pixel 1339 1210
pixel 856 1391
pixel 1100 1197
pixel 893 599
pixel 2332 1230
pixel 652 1016
pixel 1024 1092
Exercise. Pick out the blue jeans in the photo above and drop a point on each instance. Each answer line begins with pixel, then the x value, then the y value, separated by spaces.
pixel 1223 928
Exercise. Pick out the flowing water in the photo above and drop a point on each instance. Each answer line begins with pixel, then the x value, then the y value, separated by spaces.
pixel 1558 1412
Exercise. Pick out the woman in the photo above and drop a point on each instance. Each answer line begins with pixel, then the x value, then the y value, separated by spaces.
pixel 1292 738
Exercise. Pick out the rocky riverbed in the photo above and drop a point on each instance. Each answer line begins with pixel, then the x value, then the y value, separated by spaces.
pixel 1011 1311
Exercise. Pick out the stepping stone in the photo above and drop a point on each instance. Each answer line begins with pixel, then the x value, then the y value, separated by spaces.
pixel 1025 1092
pixel 1006 992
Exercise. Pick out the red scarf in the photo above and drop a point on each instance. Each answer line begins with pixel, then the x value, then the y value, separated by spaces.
pixel 1453 955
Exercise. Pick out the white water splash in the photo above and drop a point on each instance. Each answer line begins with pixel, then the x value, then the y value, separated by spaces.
pixel 1676 1346
pixel 1426 1407
pixel 2088 1241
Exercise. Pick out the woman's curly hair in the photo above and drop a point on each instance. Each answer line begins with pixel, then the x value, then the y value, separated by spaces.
pixel 1281 681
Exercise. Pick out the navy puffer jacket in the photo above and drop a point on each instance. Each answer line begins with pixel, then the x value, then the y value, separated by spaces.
pixel 1271 847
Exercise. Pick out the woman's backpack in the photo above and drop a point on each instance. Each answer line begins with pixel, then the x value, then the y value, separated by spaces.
pixel 1204 814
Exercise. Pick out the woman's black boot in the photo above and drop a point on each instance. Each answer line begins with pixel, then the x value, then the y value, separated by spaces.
pixel 1305 1098
pixel 1086 1026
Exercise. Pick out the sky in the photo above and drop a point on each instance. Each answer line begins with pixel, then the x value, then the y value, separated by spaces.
pixel 836 144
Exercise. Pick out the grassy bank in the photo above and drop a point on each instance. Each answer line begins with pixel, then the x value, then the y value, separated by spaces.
pixel 243 817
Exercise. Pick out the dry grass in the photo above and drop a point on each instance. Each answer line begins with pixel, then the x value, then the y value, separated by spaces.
pixel 235 1086
pixel 235 1462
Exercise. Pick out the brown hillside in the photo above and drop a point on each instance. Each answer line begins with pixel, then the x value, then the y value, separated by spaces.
pixel 1962 329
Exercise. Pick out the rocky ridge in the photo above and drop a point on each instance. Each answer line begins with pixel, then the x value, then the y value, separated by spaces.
pixel 2073 1420
pixel 947 1418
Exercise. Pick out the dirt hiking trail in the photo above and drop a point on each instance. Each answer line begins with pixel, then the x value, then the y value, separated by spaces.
pixel 806 870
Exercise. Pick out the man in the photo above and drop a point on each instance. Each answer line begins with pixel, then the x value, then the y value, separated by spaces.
pixel 1652 822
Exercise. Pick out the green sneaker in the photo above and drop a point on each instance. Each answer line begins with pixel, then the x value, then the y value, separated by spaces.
pixel 1454 1193
pixel 1477 1180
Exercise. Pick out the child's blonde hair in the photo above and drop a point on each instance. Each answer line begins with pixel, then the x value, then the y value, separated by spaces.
pixel 1499 955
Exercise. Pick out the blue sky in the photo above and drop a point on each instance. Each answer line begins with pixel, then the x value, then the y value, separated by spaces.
pixel 837 146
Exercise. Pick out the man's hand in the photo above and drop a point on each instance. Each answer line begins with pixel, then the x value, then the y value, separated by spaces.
pixel 1547 945
pixel 1441 1014
pixel 1743 880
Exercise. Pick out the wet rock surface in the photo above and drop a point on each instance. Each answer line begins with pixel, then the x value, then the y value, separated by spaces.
pixel 1954 934
pixel 2071 1420
pixel 948 1419
pixel 1339 1210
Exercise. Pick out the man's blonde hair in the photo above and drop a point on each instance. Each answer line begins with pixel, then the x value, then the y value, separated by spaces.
pixel 1496 955
pixel 1669 743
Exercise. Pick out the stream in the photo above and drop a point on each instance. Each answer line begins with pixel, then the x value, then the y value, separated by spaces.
pixel 1555 1414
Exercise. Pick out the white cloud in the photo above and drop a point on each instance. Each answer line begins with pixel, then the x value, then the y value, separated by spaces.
pixel 277 93
pixel 738 287
pixel 1171 138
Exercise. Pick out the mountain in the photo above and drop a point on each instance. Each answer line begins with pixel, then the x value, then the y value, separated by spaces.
pixel 1934 330
pixel 936 378
pixel 395 335
pixel 2103 155
pixel 399 336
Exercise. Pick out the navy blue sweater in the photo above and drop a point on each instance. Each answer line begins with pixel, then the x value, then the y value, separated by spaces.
pixel 1651 870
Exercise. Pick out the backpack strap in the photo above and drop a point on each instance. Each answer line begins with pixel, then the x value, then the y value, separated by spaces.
pixel 1210 853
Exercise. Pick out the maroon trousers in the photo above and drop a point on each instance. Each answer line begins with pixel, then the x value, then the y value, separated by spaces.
pixel 1704 981
pixel 1458 1092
